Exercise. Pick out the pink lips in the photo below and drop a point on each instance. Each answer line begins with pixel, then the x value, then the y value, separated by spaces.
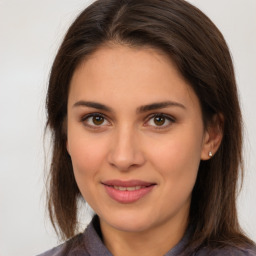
pixel 127 191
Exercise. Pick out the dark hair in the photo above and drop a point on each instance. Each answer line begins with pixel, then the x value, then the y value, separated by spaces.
pixel 201 55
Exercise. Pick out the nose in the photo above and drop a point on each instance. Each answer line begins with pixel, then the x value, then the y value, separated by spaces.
pixel 125 151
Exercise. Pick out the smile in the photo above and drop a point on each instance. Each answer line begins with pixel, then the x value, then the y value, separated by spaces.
pixel 128 188
pixel 127 191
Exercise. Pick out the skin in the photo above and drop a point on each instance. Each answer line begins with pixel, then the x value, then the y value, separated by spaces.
pixel 126 142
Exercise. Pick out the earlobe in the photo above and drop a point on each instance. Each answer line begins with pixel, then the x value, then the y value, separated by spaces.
pixel 213 137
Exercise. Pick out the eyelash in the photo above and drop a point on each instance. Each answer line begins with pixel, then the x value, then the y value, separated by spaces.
pixel 85 119
pixel 167 118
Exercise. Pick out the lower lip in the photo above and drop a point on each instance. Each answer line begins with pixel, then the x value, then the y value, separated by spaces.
pixel 126 197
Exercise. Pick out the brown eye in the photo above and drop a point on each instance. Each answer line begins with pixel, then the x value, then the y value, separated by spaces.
pixel 97 120
pixel 159 120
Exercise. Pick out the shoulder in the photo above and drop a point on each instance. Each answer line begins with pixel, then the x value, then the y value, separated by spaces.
pixel 74 247
pixel 57 251
pixel 84 244
pixel 228 251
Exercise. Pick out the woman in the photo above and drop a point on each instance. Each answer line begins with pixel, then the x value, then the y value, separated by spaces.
pixel 143 108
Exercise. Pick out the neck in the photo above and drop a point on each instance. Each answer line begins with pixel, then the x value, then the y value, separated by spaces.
pixel 156 241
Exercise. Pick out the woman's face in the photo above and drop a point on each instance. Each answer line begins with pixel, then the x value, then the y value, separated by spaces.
pixel 135 137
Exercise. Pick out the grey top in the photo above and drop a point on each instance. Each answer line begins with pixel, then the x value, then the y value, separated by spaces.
pixel 90 244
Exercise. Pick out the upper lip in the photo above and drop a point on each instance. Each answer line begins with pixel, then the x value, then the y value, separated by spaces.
pixel 127 183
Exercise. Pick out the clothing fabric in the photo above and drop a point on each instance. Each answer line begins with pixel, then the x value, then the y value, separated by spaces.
pixel 90 244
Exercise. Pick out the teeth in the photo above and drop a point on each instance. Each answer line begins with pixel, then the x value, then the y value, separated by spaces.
pixel 131 188
pixel 128 188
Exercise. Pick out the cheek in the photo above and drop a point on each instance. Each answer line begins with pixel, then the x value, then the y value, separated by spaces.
pixel 177 159
pixel 87 155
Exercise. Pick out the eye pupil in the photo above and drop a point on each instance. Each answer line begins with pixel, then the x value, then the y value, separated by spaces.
pixel 159 120
pixel 98 120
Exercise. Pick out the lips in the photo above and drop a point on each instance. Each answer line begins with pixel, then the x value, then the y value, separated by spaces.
pixel 128 188
pixel 127 191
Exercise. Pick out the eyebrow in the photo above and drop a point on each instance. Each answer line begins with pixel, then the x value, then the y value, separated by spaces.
pixel 159 105
pixel 91 104
pixel 141 109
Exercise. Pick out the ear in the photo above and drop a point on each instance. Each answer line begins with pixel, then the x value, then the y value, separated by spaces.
pixel 64 131
pixel 67 147
pixel 212 137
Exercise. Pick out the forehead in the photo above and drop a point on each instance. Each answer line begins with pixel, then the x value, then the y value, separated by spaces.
pixel 133 74
pixel 133 60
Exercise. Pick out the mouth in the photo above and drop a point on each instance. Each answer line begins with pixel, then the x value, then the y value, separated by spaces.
pixel 127 191
pixel 128 188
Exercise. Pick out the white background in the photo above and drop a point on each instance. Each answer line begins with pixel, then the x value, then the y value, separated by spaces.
pixel 30 33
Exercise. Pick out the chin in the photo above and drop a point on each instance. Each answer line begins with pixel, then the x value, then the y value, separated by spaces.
pixel 131 227
pixel 130 223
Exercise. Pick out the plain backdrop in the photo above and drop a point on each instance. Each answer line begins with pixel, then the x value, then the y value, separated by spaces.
pixel 30 33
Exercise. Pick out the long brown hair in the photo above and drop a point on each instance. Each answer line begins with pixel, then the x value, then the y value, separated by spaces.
pixel 201 54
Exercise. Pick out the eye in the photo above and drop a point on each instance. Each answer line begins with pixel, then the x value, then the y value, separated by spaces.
pixel 160 121
pixel 95 120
